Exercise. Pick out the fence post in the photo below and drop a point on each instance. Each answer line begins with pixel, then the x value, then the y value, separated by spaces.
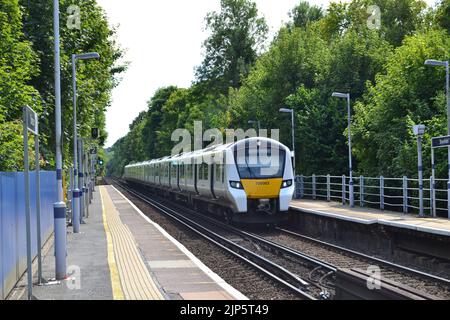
pixel 314 186
pixel 382 193
pixel 405 194
pixel 301 186
pixel 361 191
pixel 328 188
pixel 432 198
pixel 297 187
pixel 343 189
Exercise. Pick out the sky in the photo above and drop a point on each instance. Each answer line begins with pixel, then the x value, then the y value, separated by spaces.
pixel 163 42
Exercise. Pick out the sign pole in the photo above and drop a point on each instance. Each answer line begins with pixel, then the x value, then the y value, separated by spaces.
pixel 59 207
pixel 38 204
pixel 27 202
pixel 433 186
pixel 420 167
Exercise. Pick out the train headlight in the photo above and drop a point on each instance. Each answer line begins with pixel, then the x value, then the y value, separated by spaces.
pixel 236 185
pixel 286 183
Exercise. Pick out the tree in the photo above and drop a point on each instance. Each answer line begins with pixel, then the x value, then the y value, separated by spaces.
pixel 399 18
pixel 95 79
pixel 443 15
pixel 153 125
pixel 356 57
pixel 297 57
pixel 237 35
pixel 17 66
pixel 408 93
pixel 303 14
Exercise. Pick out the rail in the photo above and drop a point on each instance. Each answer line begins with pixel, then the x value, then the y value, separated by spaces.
pixel 275 272
pixel 398 194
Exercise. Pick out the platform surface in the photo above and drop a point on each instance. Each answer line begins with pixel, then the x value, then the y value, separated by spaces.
pixel 121 254
pixel 336 210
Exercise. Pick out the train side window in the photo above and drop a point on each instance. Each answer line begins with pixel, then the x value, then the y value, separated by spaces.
pixel 204 170
pixel 188 172
pixel 173 171
pixel 219 172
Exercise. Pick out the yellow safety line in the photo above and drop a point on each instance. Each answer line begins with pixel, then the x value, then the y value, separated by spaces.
pixel 115 279
pixel 134 276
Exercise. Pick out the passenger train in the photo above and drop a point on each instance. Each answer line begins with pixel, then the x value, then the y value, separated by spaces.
pixel 248 181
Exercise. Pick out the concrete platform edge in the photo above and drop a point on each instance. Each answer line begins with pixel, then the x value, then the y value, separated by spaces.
pixel 400 225
pixel 215 277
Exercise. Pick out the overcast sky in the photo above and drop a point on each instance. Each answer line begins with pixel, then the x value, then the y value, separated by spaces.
pixel 163 40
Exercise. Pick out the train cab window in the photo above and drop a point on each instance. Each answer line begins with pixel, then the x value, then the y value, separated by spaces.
pixel 253 163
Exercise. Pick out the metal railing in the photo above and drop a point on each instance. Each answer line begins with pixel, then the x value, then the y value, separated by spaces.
pixel 397 194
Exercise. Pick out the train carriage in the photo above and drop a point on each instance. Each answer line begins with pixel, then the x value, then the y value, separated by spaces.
pixel 251 180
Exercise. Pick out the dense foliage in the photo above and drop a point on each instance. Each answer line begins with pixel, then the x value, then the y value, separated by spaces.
pixel 316 53
pixel 27 74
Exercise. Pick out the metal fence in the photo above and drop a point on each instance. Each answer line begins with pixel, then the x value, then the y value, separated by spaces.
pixel 13 251
pixel 398 194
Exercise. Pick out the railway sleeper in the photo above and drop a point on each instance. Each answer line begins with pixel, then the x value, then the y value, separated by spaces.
pixel 356 284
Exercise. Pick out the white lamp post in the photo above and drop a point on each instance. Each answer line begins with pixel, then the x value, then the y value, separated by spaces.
pixel 291 111
pixel 351 189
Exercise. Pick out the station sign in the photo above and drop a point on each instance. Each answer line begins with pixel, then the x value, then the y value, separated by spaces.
pixel 32 120
pixel 440 142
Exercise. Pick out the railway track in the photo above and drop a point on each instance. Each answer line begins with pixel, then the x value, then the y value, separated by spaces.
pixel 271 270
pixel 424 285
pixel 307 275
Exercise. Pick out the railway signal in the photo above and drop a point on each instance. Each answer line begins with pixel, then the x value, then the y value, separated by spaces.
pixel 94 133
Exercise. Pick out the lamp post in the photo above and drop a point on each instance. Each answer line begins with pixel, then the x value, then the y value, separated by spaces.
pixel 257 122
pixel 351 188
pixel 76 195
pixel 445 64
pixel 419 130
pixel 59 207
pixel 291 111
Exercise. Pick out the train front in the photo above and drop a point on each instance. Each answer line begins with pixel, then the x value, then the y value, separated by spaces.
pixel 261 180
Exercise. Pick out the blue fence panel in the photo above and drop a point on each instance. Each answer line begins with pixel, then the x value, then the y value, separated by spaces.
pixel 13 224
pixel 8 231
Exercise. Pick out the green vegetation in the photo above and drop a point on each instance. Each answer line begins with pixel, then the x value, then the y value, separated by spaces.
pixel 317 52
pixel 27 75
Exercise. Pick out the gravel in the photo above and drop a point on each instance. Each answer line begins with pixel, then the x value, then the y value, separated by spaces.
pixel 243 278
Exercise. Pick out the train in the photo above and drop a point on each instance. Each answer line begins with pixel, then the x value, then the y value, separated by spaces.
pixel 246 181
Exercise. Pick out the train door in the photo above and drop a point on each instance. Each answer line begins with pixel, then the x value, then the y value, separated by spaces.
pixel 180 175
pixel 196 175
pixel 211 168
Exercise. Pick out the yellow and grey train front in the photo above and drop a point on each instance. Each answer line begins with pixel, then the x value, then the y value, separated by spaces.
pixel 261 180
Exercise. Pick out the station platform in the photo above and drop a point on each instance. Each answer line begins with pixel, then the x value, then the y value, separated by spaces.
pixel 121 254
pixel 371 216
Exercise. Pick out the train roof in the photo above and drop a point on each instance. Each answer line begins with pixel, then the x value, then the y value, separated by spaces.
pixel 207 151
